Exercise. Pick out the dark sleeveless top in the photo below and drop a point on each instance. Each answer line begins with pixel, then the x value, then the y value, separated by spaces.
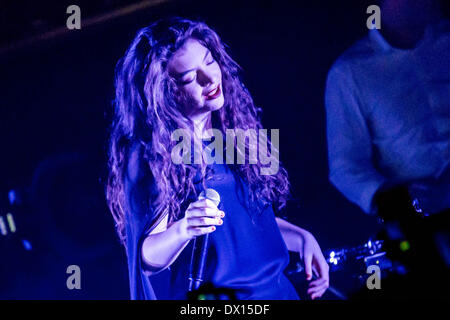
pixel 246 254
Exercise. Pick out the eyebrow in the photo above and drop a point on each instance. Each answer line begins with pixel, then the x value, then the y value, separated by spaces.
pixel 180 75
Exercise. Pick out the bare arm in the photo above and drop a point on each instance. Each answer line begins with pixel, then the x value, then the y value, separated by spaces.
pixel 165 243
pixel 290 234
pixel 302 241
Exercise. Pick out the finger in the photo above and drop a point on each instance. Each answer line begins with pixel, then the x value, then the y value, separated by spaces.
pixel 317 295
pixel 203 203
pixel 308 265
pixel 317 292
pixel 312 291
pixel 319 279
pixel 205 212
pixel 204 221
pixel 321 267
pixel 199 231
pixel 318 282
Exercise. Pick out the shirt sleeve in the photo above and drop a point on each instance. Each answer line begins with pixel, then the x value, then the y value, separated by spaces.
pixel 350 153
pixel 139 217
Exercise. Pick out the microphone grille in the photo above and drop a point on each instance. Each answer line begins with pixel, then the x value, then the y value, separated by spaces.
pixel 210 194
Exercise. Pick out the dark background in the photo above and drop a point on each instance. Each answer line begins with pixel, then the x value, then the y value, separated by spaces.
pixel 55 94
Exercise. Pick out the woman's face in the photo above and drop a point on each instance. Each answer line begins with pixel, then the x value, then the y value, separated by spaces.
pixel 198 77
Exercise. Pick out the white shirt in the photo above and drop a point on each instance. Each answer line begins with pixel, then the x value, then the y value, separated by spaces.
pixel 388 113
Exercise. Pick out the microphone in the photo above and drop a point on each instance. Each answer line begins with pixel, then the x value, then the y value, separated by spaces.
pixel 200 249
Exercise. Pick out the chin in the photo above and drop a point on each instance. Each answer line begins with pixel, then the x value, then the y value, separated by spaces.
pixel 215 105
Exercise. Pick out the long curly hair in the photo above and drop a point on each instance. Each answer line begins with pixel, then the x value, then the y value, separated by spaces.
pixel 146 111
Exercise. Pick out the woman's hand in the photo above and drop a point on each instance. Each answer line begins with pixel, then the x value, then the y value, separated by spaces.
pixel 301 241
pixel 315 264
pixel 201 217
pixel 163 246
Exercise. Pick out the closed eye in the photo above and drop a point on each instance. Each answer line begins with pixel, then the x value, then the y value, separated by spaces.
pixel 186 81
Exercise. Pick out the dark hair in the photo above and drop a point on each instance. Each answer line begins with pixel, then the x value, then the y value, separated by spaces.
pixel 146 112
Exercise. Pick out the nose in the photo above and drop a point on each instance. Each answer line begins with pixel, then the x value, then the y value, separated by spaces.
pixel 205 77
